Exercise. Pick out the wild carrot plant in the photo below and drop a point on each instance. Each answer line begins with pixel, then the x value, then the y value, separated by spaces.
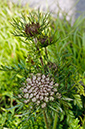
pixel 44 84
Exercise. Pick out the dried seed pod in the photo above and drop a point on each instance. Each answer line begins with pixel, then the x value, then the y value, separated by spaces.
pixel 32 29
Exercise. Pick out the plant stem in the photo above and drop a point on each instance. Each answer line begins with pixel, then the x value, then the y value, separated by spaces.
pixel 41 61
pixel 46 52
pixel 35 40
pixel 55 121
pixel 45 119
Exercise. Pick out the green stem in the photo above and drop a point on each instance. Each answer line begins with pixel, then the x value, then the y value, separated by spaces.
pixel 46 53
pixel 55 121
pixel 45 119
pixel 39 51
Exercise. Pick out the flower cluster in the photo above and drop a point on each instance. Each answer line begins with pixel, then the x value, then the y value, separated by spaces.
pixel 40 89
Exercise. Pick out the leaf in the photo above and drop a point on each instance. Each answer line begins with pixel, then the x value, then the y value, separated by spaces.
pixel 58 107
pixel 69 99
pixel 9 109
pixel 69 115
pixel 61 116
pixel 53 109
pixel 74 124
pixel 78 101
pixel 10 94
pixel 22 114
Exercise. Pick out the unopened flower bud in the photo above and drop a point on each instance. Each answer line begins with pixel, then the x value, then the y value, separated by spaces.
pixel 34 100
pixel 43 105
pixel 51 98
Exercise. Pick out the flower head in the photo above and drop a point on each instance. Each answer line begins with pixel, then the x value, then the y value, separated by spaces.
pixel 40 90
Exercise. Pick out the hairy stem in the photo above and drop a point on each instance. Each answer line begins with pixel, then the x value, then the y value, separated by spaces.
pixel 45 119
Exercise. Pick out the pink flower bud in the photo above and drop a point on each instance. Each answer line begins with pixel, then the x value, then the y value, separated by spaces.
pixel 51 98
pixel 51 83
pixel 25 90
pixel 43 76
pixel 28 80
pixel 26 95
pixel 34 78
pixel 38 102
pixel 31 95
pixel 41 97
pixel 52 93
pixel 43 105
pixel 46 99
pixel 34 100
pixel 55 90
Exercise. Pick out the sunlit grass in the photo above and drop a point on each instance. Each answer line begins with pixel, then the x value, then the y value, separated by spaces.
pixel 10 47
